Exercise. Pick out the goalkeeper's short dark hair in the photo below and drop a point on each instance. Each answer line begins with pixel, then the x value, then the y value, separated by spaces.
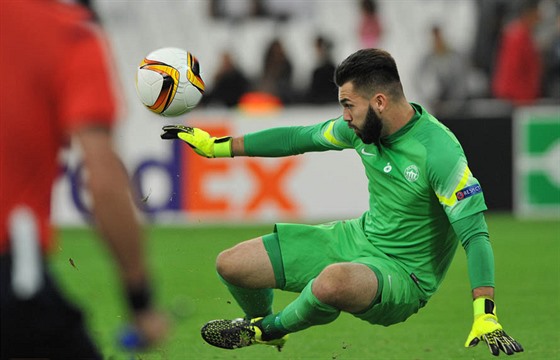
pixel 371 71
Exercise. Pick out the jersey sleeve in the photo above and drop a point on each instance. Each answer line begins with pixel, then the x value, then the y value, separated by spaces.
pixel 472 231
pixel 337 133
pixel 85 79
pixel 294 140
pixel 457 190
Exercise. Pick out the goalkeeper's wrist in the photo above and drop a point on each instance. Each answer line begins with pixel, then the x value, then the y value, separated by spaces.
pixel 483 305
pixel 222 147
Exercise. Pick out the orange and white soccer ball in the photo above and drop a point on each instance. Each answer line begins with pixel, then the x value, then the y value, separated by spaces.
pixel 169 81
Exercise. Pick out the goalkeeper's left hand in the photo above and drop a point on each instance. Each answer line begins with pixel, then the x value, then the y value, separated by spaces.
pixel 199 140
pixel 487 329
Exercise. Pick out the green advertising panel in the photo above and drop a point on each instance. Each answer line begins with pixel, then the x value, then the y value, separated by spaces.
pixel 537 161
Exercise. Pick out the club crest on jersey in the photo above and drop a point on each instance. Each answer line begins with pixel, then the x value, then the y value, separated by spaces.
pixel 411 173
pixel 468 192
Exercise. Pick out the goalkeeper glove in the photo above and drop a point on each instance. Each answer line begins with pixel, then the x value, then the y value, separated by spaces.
pixel 201 142
pixel 487 328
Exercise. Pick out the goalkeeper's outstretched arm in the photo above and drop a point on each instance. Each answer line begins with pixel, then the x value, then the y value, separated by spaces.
pixel 473 233
pixel 274 142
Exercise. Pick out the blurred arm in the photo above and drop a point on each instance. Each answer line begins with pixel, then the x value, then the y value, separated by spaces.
pixel 116 221
pixel 113 209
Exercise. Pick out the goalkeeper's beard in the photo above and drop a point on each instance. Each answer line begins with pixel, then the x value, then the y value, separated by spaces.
pixel 371 132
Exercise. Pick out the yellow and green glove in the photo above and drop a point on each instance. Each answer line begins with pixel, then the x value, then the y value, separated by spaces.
pixel 201 142
pixel 487 329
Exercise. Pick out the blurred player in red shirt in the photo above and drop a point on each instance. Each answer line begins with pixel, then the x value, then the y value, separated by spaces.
pixel 518 71
pixel 57 86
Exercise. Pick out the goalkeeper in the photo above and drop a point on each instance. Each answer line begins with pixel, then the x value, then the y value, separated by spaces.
pixel 384 266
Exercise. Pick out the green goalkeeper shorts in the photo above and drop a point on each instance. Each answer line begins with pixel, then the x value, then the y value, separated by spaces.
pixel 300 252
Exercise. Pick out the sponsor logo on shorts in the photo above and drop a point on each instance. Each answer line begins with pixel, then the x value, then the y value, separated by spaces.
pixel 468 192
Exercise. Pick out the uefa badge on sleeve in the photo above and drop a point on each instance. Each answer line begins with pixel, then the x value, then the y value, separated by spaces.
pixel 468 192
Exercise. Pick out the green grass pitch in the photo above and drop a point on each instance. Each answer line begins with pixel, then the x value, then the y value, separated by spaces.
pixel 527 255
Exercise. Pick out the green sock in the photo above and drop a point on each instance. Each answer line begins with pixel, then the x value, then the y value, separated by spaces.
pixel 253 302
pixel 305 311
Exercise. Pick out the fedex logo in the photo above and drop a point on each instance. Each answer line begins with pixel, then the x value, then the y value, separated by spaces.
pixel 189 181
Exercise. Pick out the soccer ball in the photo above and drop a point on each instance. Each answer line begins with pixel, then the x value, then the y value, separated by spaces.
pixel 169 81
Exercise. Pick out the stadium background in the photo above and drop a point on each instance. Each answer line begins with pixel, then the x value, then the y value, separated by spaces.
pixel 178 190
pixel 195 207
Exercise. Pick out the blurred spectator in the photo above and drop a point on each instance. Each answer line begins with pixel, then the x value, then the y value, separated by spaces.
pixel 276 78
pixel 322 88
pixel 518 73
pixel 236 10
pixel 442 77
pixel 278 10
pixel 37 320
pixel 229 83
pixel 370 30
pixel 551 78
pixel 284 10
pixel 492 16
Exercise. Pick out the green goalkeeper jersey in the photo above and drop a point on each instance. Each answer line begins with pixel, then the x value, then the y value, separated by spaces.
pixel 419 184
